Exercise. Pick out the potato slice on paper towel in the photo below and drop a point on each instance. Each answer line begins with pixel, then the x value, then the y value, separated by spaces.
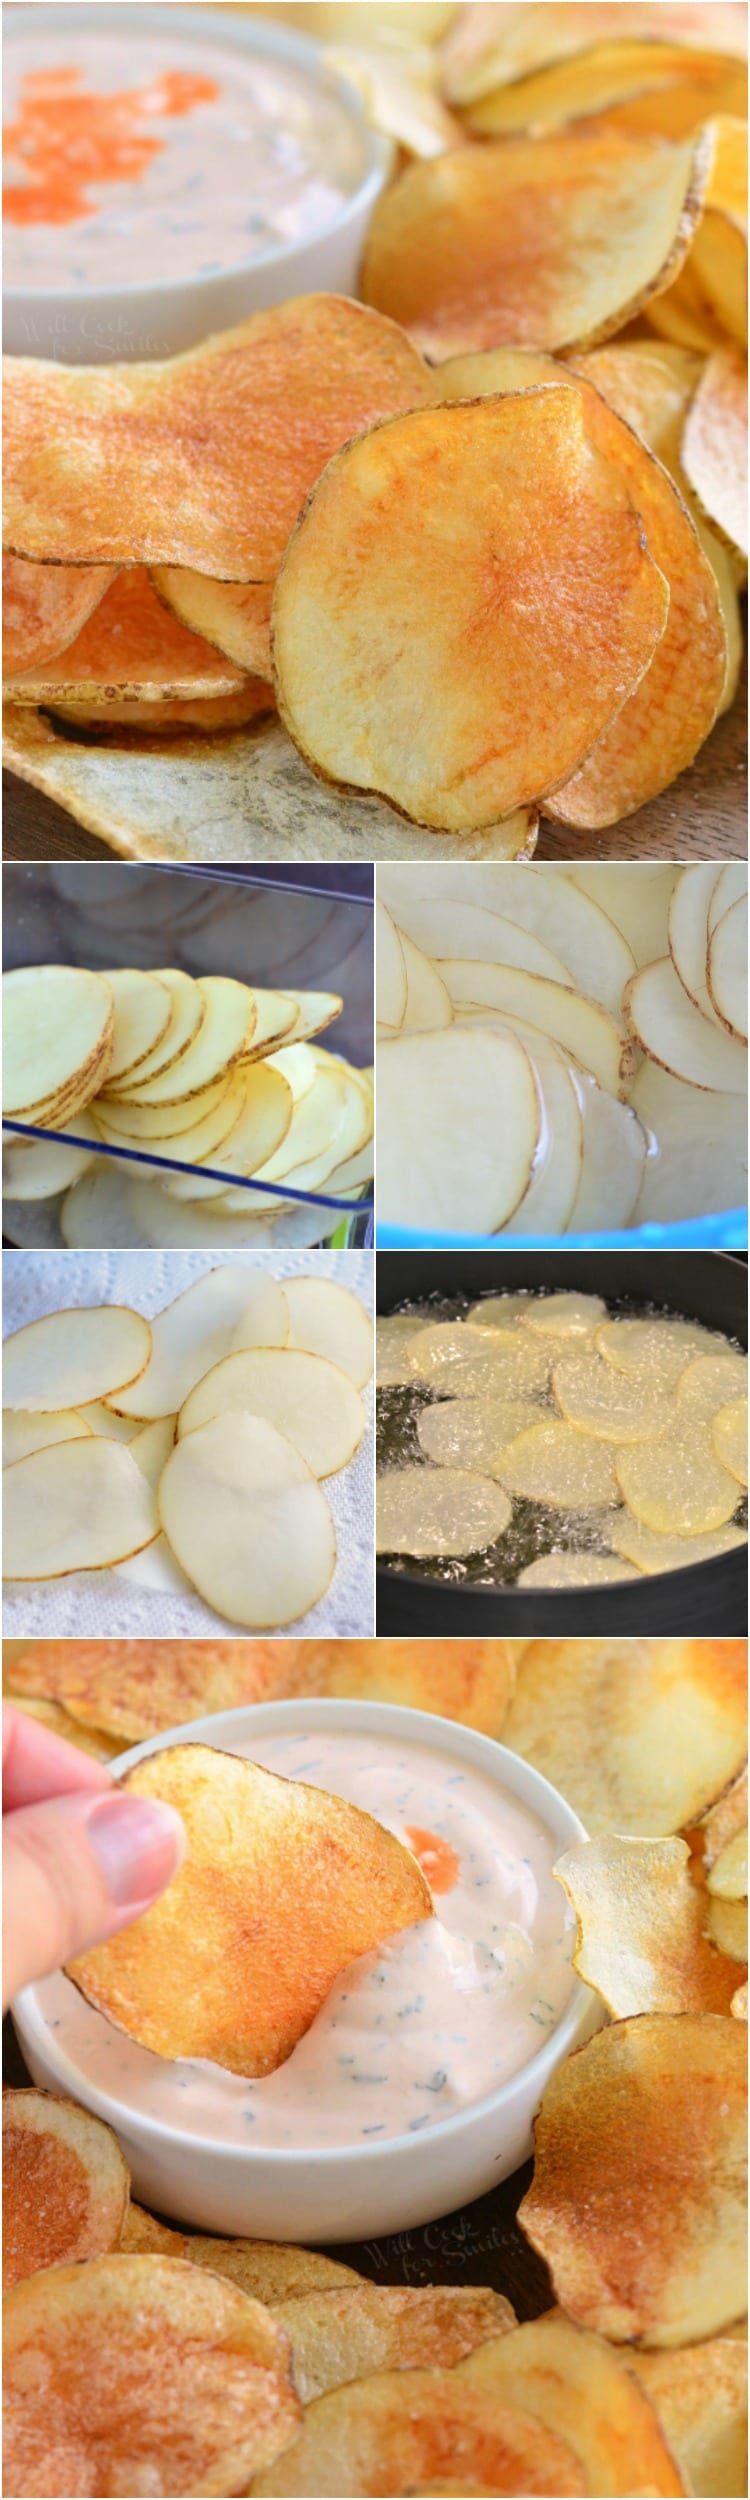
pixel 325 1318
pixel 282 1886
pixel 65 2185
pixel 599 2144
pixel 308 1400
pixel 71 1357
pixel 345 2333
pixel 640 1928
pixel 640 1736
pixel 78 1506
pixel 421 2420
pixel 459 493
pixel 445 1510
pixel 215 2399
pixel 195 1331
pixel 436 1087
pixel 22 1434
pixel 247 1521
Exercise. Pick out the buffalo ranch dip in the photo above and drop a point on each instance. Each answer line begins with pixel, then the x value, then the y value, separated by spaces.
pixel 431 2023
pixel 129 158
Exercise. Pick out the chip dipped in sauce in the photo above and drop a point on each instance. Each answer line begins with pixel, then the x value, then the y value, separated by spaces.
pixel 415 2032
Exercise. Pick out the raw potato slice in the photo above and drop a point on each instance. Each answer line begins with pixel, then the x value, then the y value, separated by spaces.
pixel 703 1148
pixel 578 2386
pixel 102 1420
pixel 669 1029
pixel 714 444
pixel 38 1167
pixel 235 616
pixel 579 1025
pixel 44 607
pixel 143 1009
pixel 79 1506
pixel 445 1511
pixel 349 2331
pixel 225 1031
pixel 65 2185
pixel 195 1144
pixel 22 1434
pixel 681 1489
pixel 640 1940
pixel 468 1362
pixel 730 887
pixel 480 936
pixel 729 1438
pixel 188 1014
pixel 57 1034
pixel 550 1462
pixel 307 1399
pixel 151 1447
pixel 614 1159
pixel 315 1010
pixel 325 1318
pixel 71 1357
pixel 138 1124
pixel 597 957
pixel 570 1315
pixel 660 1348
pixel 276 1017
pixel 700 2396
pixel 427 1003
pixel 551 1194
pixel 153 2323
pixel 264 1116
pixel 469 1432
pixel 438 1086
pixel 601 1401
pixel 198 1329
pixel 573 1571
pixel 247 1522
pixel 688 933
pixel 395 672
pixel 391 982
pixel 500 246
pixel 727 970
pixel 711 1381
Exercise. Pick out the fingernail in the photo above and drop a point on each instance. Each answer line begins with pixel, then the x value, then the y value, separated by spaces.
pixel 138 1845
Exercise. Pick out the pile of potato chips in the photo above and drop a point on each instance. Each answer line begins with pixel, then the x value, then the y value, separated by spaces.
pixel 477 539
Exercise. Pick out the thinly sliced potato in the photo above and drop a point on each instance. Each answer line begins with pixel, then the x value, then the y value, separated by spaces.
pixel 551 1462
pixel 468 1361
pixel 615 1148
pixel 198 1329
pixel 702 1157
pixel 568 1315
pixel 710 1381
pixel 688 933
pixel 573 1570
pixel 188 1014
pixel 649 87
pixel 226 1029
pixel 714 444
pixel 57 1035
pixel 481 936
pixel 308 1399
pixel 485 49
pixel 65 2185
pixel 727 970
pixel 666 1025
pixel 194 1144
pixel 247 1522
pixel 38 1167
pixel 78 1506
pixel 680 1488
pixel 102 1420
pixel 22 1434
pixel 445 1510
pixel 44 607
pixel 495 1310
pixel 598 957
pixel 579 2386
pixel 137 1124
pixel 143 1010
pixel 70 1357
pixel 130 650
pixel 264 1115
pixel 550 1198
pixel 731 885
pixel 151 1447
pixel 234 616
pixel 470 1432
pixel 448 1084
pixel 326 1318
pixel 729 1438
pixel 391 982
pixel 427 1003
pixel 659 1349
pixel 577 1023
pixel 651 1552
pixel 458 492
pixel 601 1401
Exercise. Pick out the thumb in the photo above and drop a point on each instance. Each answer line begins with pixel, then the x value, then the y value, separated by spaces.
pixel 77 1868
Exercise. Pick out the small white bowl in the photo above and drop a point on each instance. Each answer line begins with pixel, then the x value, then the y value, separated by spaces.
pixel 361 2190
pixel 104 325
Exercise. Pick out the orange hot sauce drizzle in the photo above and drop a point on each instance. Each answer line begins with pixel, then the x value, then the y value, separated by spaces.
pixel 437 1859
pixel 68 139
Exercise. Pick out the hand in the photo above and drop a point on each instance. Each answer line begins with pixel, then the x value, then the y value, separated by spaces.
pixel 80 1857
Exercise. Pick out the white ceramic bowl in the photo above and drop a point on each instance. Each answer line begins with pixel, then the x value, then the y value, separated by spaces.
pixel 364 2189
pixel 104 325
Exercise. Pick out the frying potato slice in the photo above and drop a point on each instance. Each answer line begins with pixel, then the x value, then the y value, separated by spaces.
pixel 22 1434
pixel 573 1571
pixel 167 480
pixel 325 1318
pixel 469 1361
pixel 470 1432
pixel 308 1399
pixel 714 444
pixel 57 1034
pixel 605 2119
pixel 641 1736
pixel 499 1311
pixel 143 1009
pixel 68 1358
pixel 65 2185
pixel 269 2270
pixel 651 1552
pixel 727 969
pixel 579 1025
pixel 214 2401
pixel 225 1031
pixel 569 1315
pixel 599 1400
pixel 44 608
pixel 343 2334
pixel 700 2395
pixel 130 650
pixel 446 1510
pixel 247 1521
pixel 578 2386
pixel 660 1348
pixel 421 2421
pixel 551 1462
pixel 640 1940
pixel 460 493
pixel 679 1488
pixel 470 1681
pixel 729 1438
pixel 79 1506
pixel 39 1167
pixel 501 246
pixel 666 1025
pixel 234 616
pixel 134 1689
pixel 214 1969
pixel 434 1085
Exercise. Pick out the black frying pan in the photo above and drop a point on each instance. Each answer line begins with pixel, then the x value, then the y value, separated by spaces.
pixel 707 1597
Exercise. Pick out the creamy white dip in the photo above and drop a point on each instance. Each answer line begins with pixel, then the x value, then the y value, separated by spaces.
pixel 434 2021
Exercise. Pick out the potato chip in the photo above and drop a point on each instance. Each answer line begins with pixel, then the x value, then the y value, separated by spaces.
pixel 150 2371
pixel 309 1400
pixel 490 47
pixel 640 86
pixel 78 1506
pixel 640 1940
pixel 641 1736
pixel 500 246
pixel 445 1510
pixel 65 2185
pixel 131 649
pixel 234 616
pixel 578 2386
pixel 269 2270
pixel 88 1740
pixel 469 1432
pixel 552 1462
pixel 714 444
pixel 247 1521
pixel 135 1689
pixel 725 1817
pixel 407 2429
pixel 637 2200
pixel 726 1924
pixel 45 607
pixel 74 1355
pixel 728 1877
pixel 678 1487
pixel 143 2236
pixel 700 2395
pixel 739 2009
pixel 215 1969
pixel 57 1034
pixel 605 1403
pixel 729 1438
pixel 460 494
pixel 168 476
pixel 168 717
pixel 470 1681
pixel 345 2334
pixel 650 1551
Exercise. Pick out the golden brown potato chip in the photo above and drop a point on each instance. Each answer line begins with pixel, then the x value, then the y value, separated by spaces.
pixel 700 2395
pixel 726 1924
pixel 235 616
pixel 340 2335
pixel 205 460
pixel 714 445
pixel 88 1739
pixel 533 242
pixel 641 1736
pixel 164 718
pixel 637 2200
pixel 131 649
pixel 406 2429
pixel 727 1878
pixel 725 1818
pixel 640 1918
pixel 151 2373
pixel 282 1886
pixel 491 45
pixel 420 608
pixel 269 2270
pixel 135 1689
pixel 45 607
pixel 470 1681
pixel 648 87
pixel 578 2386
pixel 65 2185
pixel 143 2236
pixel 739 2008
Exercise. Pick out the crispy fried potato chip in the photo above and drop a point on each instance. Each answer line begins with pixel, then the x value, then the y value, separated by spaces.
pixel 441 1510
pixel 88 1739
pixel 640 86
pixel 234 616
pixel 640 1941
pixel 641 1736
pixel 470 1681
pixel 45 607
pixel 637 2200
pixel 217 1968
pixel 726 1924
pixel 131 648
pixel 150 2371
pixel 135 1689
pixel 406 2429
pixel 714 444
pixel 579 2387
pixel 164 717
pixel 492 46
pixel 553 1462
pixel 724 1819
pixel 65 2185
pixel 740 2009
pixel 340 2335
pixel 728 1876
pixel 269 2270
pixel 429 543
pixel 143 2236
pixel 501 246
pixel 205 460
pixel 680 1488
pixel 700 2395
